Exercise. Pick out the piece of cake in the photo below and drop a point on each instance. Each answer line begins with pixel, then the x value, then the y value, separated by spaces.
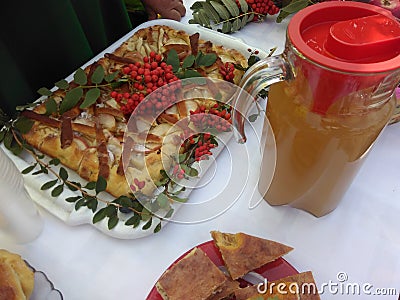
pixel 194 277
pixel 243 253
pixel 227 289
pixel 16 278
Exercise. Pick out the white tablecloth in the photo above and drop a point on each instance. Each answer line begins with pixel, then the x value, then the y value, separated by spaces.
pixel 361 237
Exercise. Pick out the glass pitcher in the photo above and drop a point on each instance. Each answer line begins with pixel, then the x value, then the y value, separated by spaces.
pixel 331 94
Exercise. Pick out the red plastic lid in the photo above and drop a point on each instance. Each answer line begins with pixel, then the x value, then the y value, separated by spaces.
pixel 347 36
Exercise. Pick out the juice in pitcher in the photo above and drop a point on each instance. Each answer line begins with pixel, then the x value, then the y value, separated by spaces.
pixel 330 96
pixel 318 155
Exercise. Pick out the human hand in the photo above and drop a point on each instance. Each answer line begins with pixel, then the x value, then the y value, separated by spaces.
pixel 169 9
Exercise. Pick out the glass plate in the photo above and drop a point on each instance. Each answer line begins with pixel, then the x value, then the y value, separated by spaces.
pixel 44 289
pixel 275 270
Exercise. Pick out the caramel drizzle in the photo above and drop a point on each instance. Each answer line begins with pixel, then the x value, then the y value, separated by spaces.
pixel 194 43
pixel 67 135
pixel 119 59
pixel 81 128
pixel 102 153
pixel 41 118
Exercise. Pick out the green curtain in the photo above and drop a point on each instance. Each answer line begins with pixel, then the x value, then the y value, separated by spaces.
pixel 44 41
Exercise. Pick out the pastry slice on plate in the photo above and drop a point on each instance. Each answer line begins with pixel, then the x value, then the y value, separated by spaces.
pixel 16 278
pixel 226 290
pixel 243 253
pixel 194 277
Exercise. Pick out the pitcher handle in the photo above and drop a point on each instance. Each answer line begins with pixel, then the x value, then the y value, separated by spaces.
pixel 258 77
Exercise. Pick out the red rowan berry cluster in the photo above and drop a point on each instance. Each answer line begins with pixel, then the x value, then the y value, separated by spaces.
pixel 203 147
pixel 226 70
pixel 263 7
pixel 146 78
pixel 213 118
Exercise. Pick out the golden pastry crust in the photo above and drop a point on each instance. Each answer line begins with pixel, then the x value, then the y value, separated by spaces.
pixel 243 253
pixel 90 140
pixel 194 277
pixel 16 278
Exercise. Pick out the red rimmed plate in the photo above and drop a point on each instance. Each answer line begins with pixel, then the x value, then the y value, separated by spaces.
pixel 275 270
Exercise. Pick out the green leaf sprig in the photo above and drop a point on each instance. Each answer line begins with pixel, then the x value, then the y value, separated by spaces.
pixel 89 195
pixel 190 65
pixel 292 7
pixel 10 134
pixel 229 16
pixel 79 90
pixel 226 16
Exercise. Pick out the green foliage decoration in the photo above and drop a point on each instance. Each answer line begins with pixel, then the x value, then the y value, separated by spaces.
pixel 226 16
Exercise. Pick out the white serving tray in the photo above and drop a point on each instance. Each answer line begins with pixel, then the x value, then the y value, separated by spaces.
pixel 64 210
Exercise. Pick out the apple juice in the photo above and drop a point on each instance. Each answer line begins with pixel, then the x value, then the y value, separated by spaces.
pixel 319 155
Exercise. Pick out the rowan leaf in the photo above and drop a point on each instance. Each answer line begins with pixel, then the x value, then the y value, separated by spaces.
pixel 173 60
pixel 112 222
pixel 157 228
pixel 197 5
pixel 48 185
pixel 236 25
pixel 111 77
pixel 57 190
pixel 73 199
pixel 71 99
pixel 232 7
pixel 29 169
pixel 62 84
pixel 148 224
pixel 90 98
pixel 51 106
pixel 226 27
pixel 100 215
pixel 23 124
pixel 80 77
pixel 98 75
pixel 244 7
pixel 133 221
pixel 211 12
pixel 44 91
pixel 101 184
pixel 221 10
pixel 188 61
pixel 206 60
pixel 63 174
pixel 204 19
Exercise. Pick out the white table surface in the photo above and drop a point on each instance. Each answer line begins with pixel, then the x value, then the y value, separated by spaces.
pixel 361 237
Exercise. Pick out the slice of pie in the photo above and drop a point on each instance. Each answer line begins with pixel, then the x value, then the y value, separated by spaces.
pixel 194 277
pixel 16 278
pixel 243 253
pixel 226 290
pixel 246 292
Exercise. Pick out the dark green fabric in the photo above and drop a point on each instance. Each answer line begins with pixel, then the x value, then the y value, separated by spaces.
pixel 44 41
